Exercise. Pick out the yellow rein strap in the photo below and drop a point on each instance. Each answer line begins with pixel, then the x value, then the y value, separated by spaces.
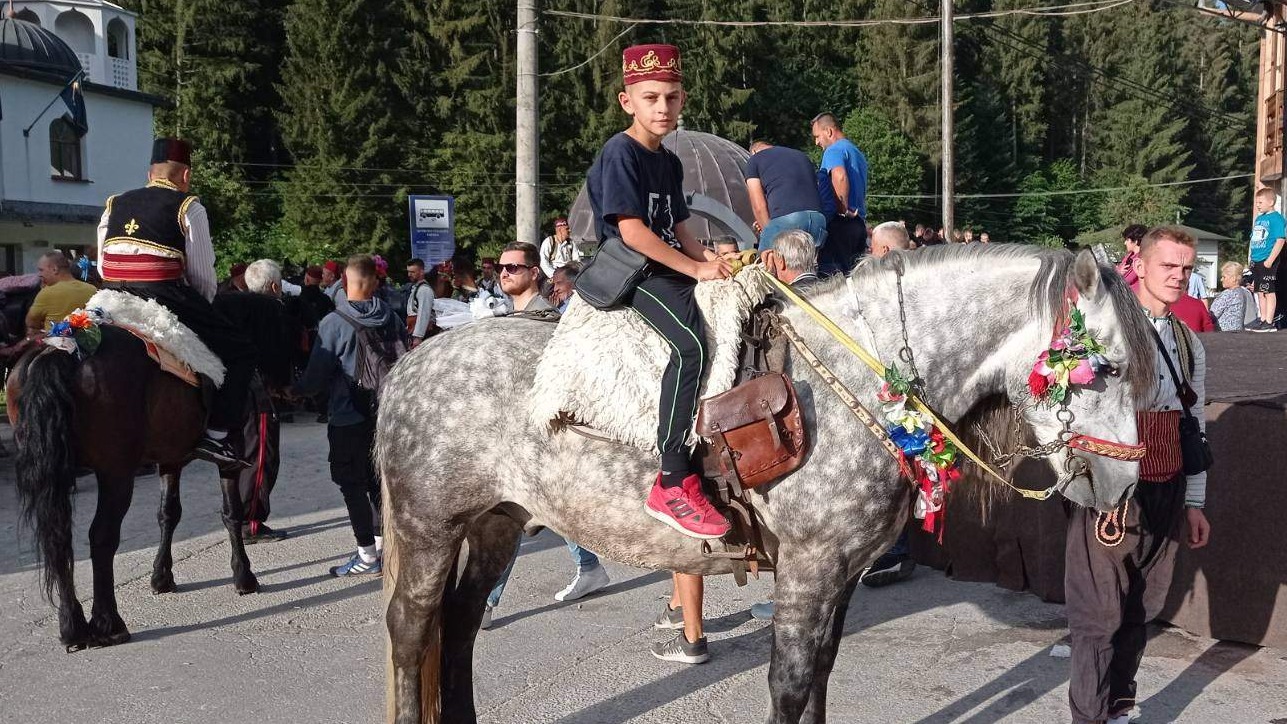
pixel 852 345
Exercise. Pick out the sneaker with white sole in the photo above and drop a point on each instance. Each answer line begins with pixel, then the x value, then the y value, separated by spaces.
pixel 586 582
pixel 679 649
pixel 671 619
pixel 357 567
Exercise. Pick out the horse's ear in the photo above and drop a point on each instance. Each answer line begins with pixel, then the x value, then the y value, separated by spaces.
pixel 1086 273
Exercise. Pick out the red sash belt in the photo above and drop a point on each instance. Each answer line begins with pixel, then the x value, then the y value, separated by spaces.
pixel 140 268
pixel 1160 434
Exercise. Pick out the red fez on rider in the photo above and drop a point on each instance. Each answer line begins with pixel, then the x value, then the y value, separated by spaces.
pixel 238 269
pixel 313 272
pixel 172 150
pixel 332 266
pixel 650 62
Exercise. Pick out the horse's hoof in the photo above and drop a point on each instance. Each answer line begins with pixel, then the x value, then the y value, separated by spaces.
pixel 107 630
pixel 249 585
pixel 163 583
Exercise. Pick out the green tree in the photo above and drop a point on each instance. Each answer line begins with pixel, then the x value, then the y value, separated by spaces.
pixel 894 166
pixel 344 120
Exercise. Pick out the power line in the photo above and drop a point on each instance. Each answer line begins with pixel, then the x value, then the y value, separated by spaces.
pixel 1066 192
pixel 596 54
pixel 1049 11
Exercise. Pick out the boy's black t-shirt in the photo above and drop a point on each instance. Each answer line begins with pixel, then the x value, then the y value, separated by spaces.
pixel 628 179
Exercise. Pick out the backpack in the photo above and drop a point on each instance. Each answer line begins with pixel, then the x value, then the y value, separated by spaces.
pixel 377 352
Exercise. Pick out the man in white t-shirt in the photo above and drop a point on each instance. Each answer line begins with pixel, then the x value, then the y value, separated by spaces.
pixel 558 249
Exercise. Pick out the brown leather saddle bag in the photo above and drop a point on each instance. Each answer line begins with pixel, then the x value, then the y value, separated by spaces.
pixel 755 429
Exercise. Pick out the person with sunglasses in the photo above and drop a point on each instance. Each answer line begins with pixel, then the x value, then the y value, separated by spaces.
pixel 520 277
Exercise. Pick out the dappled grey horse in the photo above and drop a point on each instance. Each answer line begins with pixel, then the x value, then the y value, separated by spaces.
pixel 977 318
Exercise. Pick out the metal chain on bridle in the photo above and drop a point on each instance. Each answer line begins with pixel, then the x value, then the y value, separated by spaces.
pixel 1074 466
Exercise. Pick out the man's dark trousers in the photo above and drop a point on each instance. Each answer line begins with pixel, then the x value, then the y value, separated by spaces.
pixel 1112 592
pixel 846 242
pixel 260 445
pixel 227 342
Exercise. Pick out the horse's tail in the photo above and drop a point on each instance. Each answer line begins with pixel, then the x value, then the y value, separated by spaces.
pixel 431 661
pixel 45 437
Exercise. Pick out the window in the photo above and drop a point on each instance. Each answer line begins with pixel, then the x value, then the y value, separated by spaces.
pixel 118 39
pixel 64 151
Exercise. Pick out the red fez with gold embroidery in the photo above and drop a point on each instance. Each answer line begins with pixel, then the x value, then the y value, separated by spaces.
pixel 172 150
pixel 650 62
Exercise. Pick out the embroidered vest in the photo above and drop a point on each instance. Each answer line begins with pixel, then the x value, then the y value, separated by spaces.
pixel 150 218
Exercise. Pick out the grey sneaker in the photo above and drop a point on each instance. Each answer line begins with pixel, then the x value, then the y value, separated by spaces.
pixel 671 619
pixel 678 649
pixel 487 618
pixel 762 611
pixel 585 583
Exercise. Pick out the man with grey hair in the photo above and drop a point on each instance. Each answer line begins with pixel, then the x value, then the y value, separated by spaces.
pixel 887 237
pixel 259 313
pixel 793 259
pixel 264 277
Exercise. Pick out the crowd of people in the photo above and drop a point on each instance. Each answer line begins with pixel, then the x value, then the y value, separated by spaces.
pixel 343 325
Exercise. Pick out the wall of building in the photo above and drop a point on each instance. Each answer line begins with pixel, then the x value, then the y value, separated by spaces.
pixel 114 153
pixel 22 243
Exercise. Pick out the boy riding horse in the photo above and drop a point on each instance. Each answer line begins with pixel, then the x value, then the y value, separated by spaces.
pixel 154 242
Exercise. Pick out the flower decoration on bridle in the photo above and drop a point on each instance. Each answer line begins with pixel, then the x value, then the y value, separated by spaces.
pixel 928 453
pixel 79 332
pixel 1075 357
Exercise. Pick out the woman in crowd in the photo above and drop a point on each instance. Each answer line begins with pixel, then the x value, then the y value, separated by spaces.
pixel 1235 306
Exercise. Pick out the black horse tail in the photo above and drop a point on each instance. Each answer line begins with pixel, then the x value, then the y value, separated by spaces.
pixel 45 437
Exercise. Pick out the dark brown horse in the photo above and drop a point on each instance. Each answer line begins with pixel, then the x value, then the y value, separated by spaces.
pixel 111 413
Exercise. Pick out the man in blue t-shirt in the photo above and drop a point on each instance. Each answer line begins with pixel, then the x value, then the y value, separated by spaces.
pixel 779 181
pixel 842 189
pixel 1266 244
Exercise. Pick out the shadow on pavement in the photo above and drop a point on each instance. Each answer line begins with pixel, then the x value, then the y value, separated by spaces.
pixel 320 599
pixel 1168 704
pixel 638 582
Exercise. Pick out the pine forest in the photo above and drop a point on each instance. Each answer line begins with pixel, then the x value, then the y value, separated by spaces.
pixel 314 119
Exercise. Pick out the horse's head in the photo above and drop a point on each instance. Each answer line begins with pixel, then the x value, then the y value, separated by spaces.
pixel 1100 351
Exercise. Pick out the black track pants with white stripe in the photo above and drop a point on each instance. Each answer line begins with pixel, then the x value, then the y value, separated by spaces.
pixel 666 302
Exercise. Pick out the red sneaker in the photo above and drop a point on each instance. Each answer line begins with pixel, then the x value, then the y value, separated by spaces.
pixel 686 509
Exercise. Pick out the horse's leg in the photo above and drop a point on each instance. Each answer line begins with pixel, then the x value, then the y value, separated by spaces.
pixel 167 516
pixel 115 491
pixel 234 518
pixel 808 591
pixel 491 544
pixel 816 711
pixel 417 571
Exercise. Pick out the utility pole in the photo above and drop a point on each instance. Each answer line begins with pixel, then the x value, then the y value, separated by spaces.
pixel 527 207
pixel 949 171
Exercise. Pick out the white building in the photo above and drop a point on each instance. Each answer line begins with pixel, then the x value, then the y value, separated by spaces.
pixel 52 183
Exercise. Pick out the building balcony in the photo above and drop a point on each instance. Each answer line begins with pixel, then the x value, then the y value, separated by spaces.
pixel 123 75
pixel 87 65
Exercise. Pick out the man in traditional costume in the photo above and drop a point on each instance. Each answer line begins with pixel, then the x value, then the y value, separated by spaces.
pixel 154 242
pixel 1119 564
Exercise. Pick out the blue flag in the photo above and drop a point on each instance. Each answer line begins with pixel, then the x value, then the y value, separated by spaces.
pixel 75 101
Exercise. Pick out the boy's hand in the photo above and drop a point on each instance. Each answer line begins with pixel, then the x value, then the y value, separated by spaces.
pixel 1199 528
pixel 705 271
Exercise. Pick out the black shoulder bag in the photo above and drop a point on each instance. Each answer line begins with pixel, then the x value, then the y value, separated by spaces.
pixel 1194 447
pixel 611 275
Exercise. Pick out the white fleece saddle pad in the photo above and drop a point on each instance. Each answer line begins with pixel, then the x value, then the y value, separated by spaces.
pixel 153 322
pixel 603 369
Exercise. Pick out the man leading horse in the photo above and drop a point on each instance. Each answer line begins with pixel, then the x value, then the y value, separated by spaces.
pixel 154 242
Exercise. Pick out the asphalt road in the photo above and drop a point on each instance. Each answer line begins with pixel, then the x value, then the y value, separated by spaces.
pixel 309 648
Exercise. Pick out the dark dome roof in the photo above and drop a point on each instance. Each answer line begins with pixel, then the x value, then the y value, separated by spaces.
pixel 27 45
pixel 713 166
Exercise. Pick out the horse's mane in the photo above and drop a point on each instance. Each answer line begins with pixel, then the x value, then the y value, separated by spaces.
pixel 1046 295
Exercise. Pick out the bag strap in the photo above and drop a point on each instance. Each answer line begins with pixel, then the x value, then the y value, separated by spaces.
pixel 1185 346
pixel 1180 383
